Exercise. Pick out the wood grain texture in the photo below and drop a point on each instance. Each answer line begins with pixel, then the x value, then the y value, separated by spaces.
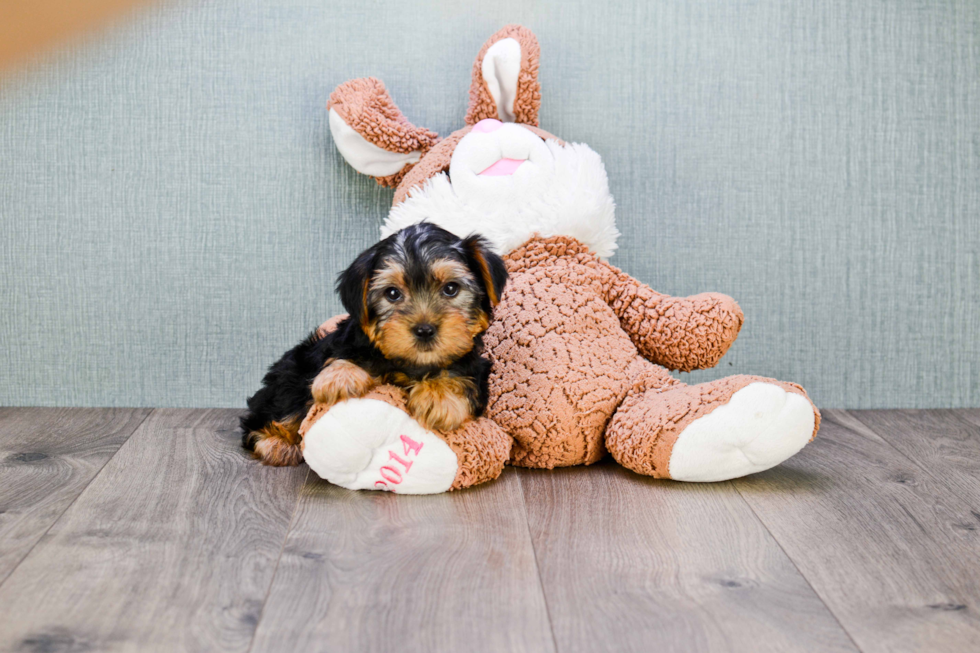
pixel 171 548
pixel 972 415
pixel 377 572
pixel 629 563
pixel 892 552
pixel 868 538
pixel 47 457
pixel 946 443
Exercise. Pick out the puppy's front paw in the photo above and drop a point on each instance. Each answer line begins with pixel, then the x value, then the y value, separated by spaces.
pixel 341 380
pixel 440 404
pixel 338 381
pixel 438 413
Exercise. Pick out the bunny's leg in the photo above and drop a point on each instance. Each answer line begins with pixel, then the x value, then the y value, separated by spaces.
pixel 712 431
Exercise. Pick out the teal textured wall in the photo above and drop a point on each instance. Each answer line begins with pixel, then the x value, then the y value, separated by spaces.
pixel 173 212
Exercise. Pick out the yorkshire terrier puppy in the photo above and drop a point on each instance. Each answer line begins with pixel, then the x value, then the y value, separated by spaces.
pixel 418 303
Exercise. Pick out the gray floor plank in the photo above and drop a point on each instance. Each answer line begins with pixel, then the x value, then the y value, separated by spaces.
pixel 175 543
pixel 172 547
pixel 972 415
pixel 945 442
pixel 879 539
pixel 377 572
pixel 47 457
pixel 629 563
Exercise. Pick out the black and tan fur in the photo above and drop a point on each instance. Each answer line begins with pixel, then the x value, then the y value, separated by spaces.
pixel 418 303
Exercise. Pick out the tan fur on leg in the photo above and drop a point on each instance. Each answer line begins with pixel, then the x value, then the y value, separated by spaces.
pixel 441 403
pixel 340 380
pixel 278 444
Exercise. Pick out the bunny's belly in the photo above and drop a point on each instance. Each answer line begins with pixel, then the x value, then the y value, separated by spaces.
pixel 561 366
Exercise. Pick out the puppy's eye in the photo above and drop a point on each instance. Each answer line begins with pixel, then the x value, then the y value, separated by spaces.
pixel 451 289
pixel 393 294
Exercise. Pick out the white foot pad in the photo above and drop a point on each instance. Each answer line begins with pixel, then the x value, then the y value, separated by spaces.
pixel 366 444
pixel 761 426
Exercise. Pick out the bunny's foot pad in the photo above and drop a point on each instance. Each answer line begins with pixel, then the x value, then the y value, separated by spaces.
pixel 367 444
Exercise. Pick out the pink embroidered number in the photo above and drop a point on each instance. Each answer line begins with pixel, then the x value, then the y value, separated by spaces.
pixel 389 472
pixel 411 446
pixel 407 464
pixel 393 475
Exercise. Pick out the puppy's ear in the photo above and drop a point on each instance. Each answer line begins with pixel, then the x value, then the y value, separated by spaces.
pixel 352 284
pixel 487 266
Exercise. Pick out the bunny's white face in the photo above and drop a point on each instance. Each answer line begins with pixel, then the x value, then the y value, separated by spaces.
pixel 495 155
pixel 508 184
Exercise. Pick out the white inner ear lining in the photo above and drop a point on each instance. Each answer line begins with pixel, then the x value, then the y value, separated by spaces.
pixel 501 68
pixel 365 157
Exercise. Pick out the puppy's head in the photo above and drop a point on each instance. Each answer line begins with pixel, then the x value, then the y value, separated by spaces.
pixel 422 295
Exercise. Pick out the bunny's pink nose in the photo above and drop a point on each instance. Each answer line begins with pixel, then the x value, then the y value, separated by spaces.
pixel 487 125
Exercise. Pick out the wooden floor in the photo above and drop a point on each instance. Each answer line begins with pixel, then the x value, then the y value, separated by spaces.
pixel 149 530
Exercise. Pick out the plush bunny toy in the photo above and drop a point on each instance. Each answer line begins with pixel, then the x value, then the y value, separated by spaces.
pixel 580 350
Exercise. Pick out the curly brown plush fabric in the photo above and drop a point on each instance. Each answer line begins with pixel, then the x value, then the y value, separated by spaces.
pixel 571 343
pixel 365 105
pixel 564 347
pixel 680 333
pixel 482 449
pixel 642 433
pixel 527 102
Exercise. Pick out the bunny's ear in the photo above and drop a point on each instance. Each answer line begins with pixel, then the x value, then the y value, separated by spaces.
pixel 505 78
pixel 372 134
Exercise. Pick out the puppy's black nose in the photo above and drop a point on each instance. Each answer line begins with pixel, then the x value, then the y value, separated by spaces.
pixel 424 331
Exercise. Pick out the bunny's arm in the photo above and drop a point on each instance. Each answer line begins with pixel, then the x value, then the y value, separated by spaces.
pixel 680 333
